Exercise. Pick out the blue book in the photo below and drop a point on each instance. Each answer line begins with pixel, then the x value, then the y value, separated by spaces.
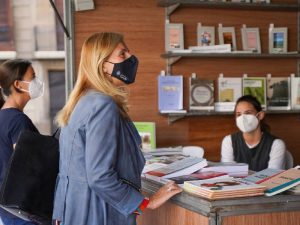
pixel 170 93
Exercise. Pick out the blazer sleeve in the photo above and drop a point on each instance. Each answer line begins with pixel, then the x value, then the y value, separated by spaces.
pixel 102 133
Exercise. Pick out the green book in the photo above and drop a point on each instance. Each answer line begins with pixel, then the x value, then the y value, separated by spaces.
pixel 256 86
pixel 147 133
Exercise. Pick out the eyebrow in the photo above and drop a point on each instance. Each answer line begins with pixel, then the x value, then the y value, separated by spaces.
pixel 246 111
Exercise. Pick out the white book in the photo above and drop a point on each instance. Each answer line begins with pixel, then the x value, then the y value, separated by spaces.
pixel 185 166
pixel 201 94
pixel 229 88
pixel 295 92
pixel 226 48
pixel 224 106
pixel 173 111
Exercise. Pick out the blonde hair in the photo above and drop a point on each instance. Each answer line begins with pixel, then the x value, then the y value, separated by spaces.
pixel 95 51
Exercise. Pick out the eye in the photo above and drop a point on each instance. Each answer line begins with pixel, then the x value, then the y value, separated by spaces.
pixel 237 114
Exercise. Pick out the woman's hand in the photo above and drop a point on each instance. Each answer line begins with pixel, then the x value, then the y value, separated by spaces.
pixel 163 194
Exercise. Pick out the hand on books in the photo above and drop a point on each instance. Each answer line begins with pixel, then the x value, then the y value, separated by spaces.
pixel 163 194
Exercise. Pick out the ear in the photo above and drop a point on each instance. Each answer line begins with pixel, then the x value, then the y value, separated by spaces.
pixel 261 115
pixel 17 84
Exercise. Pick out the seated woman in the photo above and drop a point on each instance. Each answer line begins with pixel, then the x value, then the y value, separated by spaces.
pixel 253 144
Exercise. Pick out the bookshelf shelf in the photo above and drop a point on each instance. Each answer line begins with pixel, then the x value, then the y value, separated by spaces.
pixel 174 56
pixel 230 55
pixel 172 117
pixel 172 5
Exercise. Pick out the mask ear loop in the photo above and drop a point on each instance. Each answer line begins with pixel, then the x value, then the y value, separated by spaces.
pixel 21 89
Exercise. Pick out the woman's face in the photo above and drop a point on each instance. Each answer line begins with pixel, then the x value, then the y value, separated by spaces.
pixel 120 53
pixel 248 108
pixel 245 108
pixel 28 76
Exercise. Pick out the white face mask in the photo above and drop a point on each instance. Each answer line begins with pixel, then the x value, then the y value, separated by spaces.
pixel 35 88
pixel 247 122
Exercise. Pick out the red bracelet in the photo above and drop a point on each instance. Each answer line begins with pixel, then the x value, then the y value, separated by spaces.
pixel 142 206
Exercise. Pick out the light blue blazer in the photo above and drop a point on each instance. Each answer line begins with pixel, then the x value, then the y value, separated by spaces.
pixel 98 148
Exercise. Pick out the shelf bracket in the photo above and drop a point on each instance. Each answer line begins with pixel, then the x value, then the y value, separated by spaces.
pixel 170 62
pixel 170 9
pixel 172 119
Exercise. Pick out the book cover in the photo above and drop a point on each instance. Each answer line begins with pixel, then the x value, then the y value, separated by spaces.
pixel 295 92
pixel 229 89
pixel 170 93
pixel 282 181
pixel 278 93
pixel 201 94
pixel 185 166
pixel 205 35
pixel 174 36
pixel 262 176
pixel 147 133
pixel 256 86
pixel 197 176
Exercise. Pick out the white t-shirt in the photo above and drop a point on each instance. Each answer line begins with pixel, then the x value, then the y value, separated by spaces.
pixel 277 153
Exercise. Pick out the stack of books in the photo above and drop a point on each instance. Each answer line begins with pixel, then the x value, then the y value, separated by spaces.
pixel 276 181
pixel 223 188
pixel 282 181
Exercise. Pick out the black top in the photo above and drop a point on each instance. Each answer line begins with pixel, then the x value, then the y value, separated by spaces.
pixel 12 122
pixel 258 157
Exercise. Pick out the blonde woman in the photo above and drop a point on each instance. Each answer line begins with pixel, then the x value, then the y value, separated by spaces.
pixel 100 159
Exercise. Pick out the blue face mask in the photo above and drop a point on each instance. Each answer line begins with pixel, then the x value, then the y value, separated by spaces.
pixel 126 70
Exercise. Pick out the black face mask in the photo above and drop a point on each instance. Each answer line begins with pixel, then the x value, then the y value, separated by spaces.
pixel 126 70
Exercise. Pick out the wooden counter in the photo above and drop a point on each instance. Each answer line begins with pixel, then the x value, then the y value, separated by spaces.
pixel 187 209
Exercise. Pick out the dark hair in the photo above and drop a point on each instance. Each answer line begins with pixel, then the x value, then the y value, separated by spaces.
pixel 250 99
pixel 256 104
pixel 10 71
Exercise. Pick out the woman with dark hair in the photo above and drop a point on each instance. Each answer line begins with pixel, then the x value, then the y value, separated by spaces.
pixel 19 84
pixel 253 144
